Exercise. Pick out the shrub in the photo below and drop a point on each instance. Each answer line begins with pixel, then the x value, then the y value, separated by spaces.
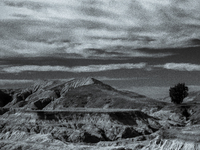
pixel 178 93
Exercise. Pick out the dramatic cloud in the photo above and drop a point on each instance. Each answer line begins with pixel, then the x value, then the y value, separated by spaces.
pixel 180 66
pixel 99 68
pixel 75 28
pixel 77 69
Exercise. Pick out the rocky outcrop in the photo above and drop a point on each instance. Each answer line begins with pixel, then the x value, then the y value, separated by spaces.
pixel 19 97
pixel 3 110
pixel 175 144
pixel 62 86
pixel 40 99
pixel 80 126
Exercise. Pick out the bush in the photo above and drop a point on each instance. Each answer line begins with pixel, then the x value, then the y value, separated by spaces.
pixel 178 93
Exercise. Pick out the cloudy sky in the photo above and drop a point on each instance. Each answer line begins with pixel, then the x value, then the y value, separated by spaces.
pixel 125 43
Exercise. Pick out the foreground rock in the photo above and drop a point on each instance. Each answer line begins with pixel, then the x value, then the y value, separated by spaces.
pixel 185 138
pixel 75 126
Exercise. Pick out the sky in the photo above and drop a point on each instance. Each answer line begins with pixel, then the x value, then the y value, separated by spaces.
pixel 127 44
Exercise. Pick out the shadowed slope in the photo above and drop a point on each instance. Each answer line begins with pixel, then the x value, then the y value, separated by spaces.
pixel 95 94
pixel 4 98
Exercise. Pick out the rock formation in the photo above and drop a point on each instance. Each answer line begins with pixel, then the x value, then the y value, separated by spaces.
pixel 88 114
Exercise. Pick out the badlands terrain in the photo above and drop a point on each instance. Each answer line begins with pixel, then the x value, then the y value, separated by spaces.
pixel 86 114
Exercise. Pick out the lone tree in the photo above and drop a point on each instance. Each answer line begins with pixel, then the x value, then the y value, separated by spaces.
pixel 178 93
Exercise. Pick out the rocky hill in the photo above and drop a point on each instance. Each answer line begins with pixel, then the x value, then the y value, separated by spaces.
pixel 85 113
pixel 83 92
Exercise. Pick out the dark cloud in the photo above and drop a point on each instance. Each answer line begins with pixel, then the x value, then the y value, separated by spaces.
pixel 195 42
pixel 104 52
pixel 27 4
pixel 95 12
pixel 130 37
pixel 20 15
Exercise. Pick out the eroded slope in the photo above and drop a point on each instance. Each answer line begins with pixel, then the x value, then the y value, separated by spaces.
pixel 88 114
